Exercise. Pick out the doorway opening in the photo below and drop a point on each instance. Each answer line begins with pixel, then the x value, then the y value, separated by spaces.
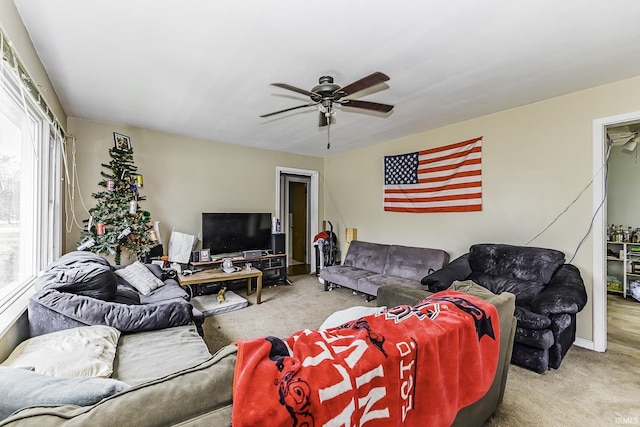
pixel 623 238
pixel 601 198
pixel 297 223
pixel 297 208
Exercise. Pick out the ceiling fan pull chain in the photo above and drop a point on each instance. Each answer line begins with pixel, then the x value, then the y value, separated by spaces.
pixel 329 134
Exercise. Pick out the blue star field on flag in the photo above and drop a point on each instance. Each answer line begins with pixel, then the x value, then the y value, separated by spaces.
pixel 401 169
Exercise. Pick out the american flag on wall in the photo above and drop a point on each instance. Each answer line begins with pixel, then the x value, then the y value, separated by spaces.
pixel 443 179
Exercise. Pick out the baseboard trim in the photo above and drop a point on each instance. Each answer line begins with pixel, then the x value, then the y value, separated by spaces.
pixel 588 344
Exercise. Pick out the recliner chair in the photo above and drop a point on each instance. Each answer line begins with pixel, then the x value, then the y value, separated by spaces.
pixel 548 293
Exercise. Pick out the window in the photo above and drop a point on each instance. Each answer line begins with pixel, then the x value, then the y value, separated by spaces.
pixel 30 213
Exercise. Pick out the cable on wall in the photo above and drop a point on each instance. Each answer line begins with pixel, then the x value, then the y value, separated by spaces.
pixel 72 182
pixel 604 197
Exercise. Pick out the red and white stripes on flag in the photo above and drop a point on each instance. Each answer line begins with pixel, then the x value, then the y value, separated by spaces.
pixel 443 179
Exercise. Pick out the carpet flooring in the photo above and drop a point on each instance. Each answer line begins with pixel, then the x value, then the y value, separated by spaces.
pixel 589 389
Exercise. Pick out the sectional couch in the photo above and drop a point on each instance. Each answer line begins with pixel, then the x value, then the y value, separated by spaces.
pixel 369 266
pixel 200 393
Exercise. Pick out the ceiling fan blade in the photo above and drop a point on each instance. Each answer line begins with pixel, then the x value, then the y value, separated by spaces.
pixel 289 109
pixel 295 89
pixel 363 83
pixel 367 105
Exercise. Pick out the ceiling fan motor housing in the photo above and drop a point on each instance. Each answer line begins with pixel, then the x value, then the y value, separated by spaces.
pixel 325 86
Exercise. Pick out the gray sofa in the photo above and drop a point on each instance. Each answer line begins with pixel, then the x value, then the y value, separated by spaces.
pixel 369 266
pixel 202 394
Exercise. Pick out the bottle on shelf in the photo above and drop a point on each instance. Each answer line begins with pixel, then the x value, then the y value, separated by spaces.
pixel 626 234
pixel 615 235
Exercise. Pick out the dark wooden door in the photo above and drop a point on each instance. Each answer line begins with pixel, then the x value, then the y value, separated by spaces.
pixel 298 206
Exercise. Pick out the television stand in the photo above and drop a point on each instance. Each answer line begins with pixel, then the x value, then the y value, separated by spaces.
pixel 273 267
pixel 216 275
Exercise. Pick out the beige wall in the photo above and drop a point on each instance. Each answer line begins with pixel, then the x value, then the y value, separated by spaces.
pixel 536 160
pixel 183 177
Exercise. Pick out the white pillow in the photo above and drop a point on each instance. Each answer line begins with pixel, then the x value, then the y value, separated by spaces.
pixel 349 314
pixel 139 276
pixel 87 351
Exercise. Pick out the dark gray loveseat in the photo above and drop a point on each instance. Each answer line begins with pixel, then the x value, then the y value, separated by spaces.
pixel 368 266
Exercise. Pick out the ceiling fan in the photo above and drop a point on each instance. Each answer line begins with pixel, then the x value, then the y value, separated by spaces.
pixel 326 93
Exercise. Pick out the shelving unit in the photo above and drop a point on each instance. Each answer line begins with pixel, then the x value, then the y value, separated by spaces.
pixel 625 266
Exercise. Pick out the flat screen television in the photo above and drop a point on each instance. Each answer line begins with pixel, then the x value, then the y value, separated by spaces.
pixel 224 233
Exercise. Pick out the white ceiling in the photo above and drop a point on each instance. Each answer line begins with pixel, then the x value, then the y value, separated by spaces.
pixel 203 68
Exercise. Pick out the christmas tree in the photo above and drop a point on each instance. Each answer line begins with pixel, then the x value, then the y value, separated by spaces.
pixel 117 222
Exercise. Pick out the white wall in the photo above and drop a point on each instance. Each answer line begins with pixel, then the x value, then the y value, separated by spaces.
pixel 536 159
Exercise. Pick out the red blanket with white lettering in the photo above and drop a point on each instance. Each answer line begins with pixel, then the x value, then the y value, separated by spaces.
pixel 409 365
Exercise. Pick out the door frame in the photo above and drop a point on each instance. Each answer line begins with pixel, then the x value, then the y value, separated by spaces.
pixel 599 290
pixel 313 204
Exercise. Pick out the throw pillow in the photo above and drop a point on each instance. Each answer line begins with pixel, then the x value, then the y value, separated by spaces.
pixel 87 351
pixel 139 276
pixel 347 315
pixel 20 388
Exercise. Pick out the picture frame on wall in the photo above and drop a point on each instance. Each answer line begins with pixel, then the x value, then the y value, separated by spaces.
pixel 121 142
pixel 205 255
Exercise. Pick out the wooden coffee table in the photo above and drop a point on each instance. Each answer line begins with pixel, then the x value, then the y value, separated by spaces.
pixel 217 275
